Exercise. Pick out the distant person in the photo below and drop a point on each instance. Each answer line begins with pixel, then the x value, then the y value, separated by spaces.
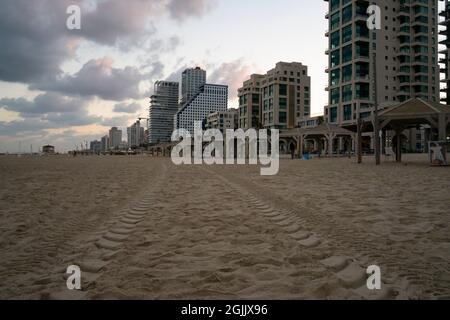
pixel 292 152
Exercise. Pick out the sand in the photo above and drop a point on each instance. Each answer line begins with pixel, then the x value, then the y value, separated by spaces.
pixel 141 228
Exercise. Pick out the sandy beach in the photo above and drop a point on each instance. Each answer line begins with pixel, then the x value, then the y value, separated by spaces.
pixel 142 228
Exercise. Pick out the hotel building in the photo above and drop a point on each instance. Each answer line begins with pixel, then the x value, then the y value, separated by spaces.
pixel 278 100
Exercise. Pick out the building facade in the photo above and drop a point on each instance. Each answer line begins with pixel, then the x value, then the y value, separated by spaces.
pixel 105 143
pixel 135 135
pixel 310 122
pixel 210 98
pixel 191 81
pixel 96 147
pixel 445 52
pixel 404 51
pixel 163 107
pixel 283 97
pixel 115 138
pixel 250 103
pixel 223 120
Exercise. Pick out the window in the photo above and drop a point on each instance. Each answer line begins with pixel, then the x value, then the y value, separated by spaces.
pixel 347 53
pixel 283 103
pixel 347 14
pixel 333 114
pixel 347 93
pixel 347 34
pixel 335 96
pixel 335 39
pixel 347 112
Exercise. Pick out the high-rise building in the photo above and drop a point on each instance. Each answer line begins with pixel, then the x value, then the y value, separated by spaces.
pixel 278 99
pixel 445 60
pixel 163 106
pixel 250 103
pixel 96 146
pixel 223 120
pixel 115 138
pixel 211 98
pixel 404 51
pixel 191 82
pixel 135 135
pixel 105 143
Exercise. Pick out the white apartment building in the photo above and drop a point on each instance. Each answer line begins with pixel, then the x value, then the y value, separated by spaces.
pixel 209 99
pixel 115 138
pixel 135 135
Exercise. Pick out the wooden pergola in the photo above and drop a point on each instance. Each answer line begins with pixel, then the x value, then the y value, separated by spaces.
pixel 324 130
pixel 413 113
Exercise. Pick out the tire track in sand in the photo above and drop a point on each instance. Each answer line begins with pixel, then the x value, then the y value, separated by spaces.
pixel 95 252
pixel 347 270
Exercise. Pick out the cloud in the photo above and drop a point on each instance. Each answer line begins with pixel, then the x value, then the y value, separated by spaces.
pixel 43 104
pixel 233 74
pixel 118 121
pixel 97 78
pixel 49 110
pixel 120 23
pixel 182 9
pixel 55 111
pixel 176 75
pixel 35 41
pixel 35 44
pixel 127 108
pixel 22 127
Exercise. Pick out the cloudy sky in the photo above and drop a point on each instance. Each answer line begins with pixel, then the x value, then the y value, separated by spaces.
pixel 63 86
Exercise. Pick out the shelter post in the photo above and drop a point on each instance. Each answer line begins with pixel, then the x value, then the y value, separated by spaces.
pixel 442 128
pixel 398 133
pixel 359 140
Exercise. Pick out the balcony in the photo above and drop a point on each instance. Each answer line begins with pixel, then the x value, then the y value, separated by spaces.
pixel 404 11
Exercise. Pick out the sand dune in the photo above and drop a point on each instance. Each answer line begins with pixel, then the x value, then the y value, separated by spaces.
pixel 141 228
